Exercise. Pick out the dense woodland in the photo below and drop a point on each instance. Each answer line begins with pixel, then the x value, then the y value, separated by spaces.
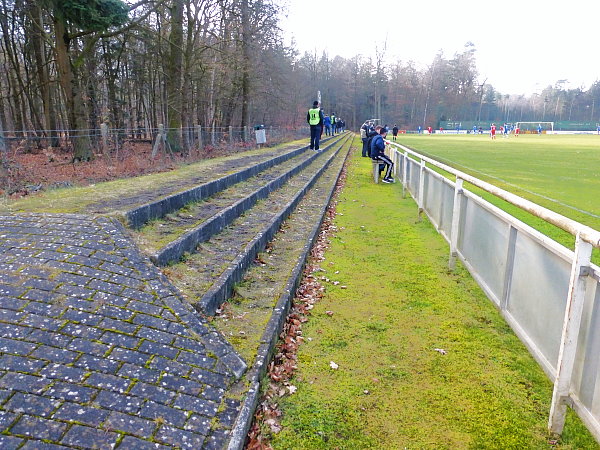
pixel 77 64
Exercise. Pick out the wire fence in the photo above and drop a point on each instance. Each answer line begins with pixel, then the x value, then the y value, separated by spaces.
pixel 34 160
pixel 107 141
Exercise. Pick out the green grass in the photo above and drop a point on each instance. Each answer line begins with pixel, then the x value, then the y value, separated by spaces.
pixel 559 172
pixel 392 388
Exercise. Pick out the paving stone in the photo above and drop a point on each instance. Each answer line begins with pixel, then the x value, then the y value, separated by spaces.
pixel 7 315
pixel 21 364
pixel 213 393
pixel 89 347
pixel 217 440
pixel 73 412
pixel 118 325
pixel 166 365
pixel 130 442
pixel 118 402
pixel 43 285
pixel 154 393
pixel 75 291
pixel 139 373
pixel 179 438
pixel 10 442
pixel 86 437
pixel 90 362
pixel 108 382
pixel 104 286
pixel 130 356
pixel 34 444
pixel 196 359
pixel 24 383
pixel 12 303
pixel 166 414
pixel 198 424
pixel 71 392
pixel 122 340
pixel 179 384
pixel 12 331
pixel 82 317
pixel 39 428
pixel 214 379
pixel 6 419
pixel 54 354
pixel 106 299
pixel 16 347
pixel 48 338
pixel 130 424
pixel 116 312
pixel 146 308
pixel 151 321
pixel 64 373
pixel 80 330
pixel 154 348
pixel 196 404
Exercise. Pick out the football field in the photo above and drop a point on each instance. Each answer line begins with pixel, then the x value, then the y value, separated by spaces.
pixel 559 172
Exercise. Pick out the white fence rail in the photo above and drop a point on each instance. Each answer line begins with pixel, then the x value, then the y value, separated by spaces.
pixel 547 293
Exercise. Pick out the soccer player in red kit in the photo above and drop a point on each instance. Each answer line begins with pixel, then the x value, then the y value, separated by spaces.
pixel 493 131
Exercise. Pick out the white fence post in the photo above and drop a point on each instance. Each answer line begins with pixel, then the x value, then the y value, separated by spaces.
pixel 230 134
pixel 421 200
pixel 404 174
pixel 458 188
pixel 570 334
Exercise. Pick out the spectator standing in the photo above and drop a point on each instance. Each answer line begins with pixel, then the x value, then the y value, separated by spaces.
pixel 327 124
pixel 378 154
pixel 364 131
pixel 394 132
pixel 315 118
pixel 333 124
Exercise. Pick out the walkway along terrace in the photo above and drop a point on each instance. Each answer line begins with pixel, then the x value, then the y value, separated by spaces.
pixel 99 349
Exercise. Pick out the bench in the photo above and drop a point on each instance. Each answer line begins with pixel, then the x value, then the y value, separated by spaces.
pixel 375 171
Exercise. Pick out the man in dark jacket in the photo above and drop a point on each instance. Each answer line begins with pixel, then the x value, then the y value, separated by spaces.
pixel 378 154
pixel 371 133
pixel 315 118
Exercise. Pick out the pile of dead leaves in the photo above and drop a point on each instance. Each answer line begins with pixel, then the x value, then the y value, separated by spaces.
pixel 267 418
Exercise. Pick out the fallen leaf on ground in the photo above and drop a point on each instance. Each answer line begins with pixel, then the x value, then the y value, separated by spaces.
pixel 333 365
pixel 440 350
pixel 329 313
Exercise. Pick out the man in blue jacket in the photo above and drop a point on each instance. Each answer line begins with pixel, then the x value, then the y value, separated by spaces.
pixel 378 154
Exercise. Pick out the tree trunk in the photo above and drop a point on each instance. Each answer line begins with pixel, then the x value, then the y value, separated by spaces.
pixel 173 72
pixel 82 149
pixel 246 37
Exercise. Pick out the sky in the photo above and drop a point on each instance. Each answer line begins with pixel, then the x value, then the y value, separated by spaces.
pixel 522 46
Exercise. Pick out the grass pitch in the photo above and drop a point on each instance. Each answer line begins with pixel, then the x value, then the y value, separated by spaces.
pixel 559 172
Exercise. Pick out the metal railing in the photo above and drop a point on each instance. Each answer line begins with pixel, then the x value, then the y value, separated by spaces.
pixel 547 293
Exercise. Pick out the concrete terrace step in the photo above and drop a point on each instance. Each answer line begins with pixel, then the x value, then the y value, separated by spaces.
pixel 218 211
pixel 220 262
pixel 246 167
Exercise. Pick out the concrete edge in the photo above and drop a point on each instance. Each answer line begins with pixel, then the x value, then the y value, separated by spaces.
pixel 137 217
pixel 187 242
pixel 271 334
pixel 222 288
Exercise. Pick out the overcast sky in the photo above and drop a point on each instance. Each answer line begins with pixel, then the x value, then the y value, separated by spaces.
pixel 522 46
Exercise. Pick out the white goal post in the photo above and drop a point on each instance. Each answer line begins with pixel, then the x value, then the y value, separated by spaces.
pixel 537 124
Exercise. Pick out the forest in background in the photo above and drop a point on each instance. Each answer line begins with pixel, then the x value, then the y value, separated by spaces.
pixel 70 66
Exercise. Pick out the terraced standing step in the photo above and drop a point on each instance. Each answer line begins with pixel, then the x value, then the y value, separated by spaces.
pixel 235 170
pixel 220 262
pixel 181 232
pixel 253 318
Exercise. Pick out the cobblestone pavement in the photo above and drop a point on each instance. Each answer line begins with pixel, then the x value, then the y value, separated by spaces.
pixel 96 348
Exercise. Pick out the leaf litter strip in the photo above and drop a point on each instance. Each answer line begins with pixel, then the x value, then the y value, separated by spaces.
pixel 282 367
